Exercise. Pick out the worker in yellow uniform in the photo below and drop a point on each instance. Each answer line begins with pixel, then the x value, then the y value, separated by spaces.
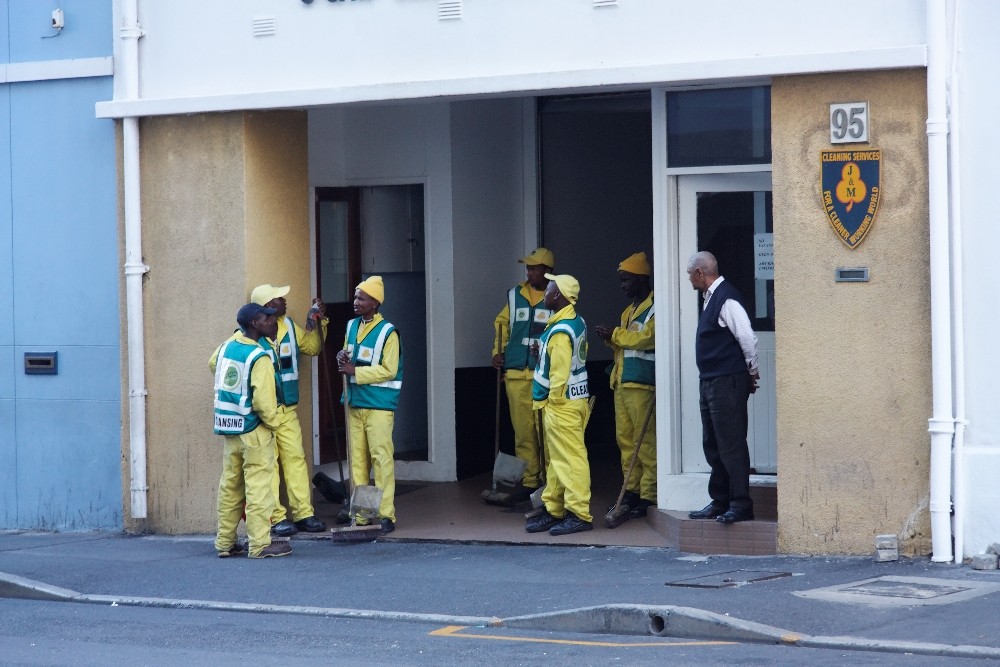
pixel 560 392
pixel 289 342
pixel 517 328
pixel 246 413
pixel 372 362
pixel 634 383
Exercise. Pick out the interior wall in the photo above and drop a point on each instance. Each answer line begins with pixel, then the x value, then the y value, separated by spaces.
pixel 853 359
pixel 229 182
pixel 597 204
pixel 393 145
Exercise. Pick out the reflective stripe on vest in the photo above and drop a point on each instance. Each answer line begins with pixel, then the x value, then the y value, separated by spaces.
pixel 577 387
pixel 379 395
pixel 233 393
pixel 527 323
pixel 639 366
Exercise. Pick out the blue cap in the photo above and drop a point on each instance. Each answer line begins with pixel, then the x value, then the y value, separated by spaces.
pixel 250 311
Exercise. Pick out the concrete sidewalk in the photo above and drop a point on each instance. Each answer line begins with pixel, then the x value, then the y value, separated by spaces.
pixel 911 605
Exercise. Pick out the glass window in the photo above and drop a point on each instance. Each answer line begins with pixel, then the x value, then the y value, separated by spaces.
pixel 725 126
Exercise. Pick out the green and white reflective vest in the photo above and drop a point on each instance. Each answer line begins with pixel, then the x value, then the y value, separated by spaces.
pixel 527 323
pixel 288 364
pixel 233 394
pixel 577 386
pixel 639 366
pixel 368 352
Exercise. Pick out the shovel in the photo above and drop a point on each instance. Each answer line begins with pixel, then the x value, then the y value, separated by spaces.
pixel 507 469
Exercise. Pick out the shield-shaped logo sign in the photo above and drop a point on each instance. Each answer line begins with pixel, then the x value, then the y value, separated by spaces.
pixel 851 192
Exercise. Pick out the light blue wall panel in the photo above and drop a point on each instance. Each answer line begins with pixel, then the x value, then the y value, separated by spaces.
pixel 7 371
pixel 8 465
pixel 64 193
pixel 6 228
pixel 86 373
pixel 88 31
pixel 68 465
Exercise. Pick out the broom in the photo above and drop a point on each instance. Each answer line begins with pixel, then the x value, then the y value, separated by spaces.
pixel 618 514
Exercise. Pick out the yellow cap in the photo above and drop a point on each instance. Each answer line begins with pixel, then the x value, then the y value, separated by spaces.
pixel 262 294
pixel 373 287
pixel 540 256
pixel 636 264
pixel 568 286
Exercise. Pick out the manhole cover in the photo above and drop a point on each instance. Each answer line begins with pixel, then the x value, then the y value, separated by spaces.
pixel 728 579
pixel 899 589
pixel 902 591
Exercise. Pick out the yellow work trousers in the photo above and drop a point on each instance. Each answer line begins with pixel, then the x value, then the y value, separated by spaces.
pixel 292 466
pixel 522 418
pixel 567 470
pixel 247 471
pixel 372 449
pixel 631 407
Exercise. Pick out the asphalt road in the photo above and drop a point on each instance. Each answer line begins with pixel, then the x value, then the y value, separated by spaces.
pixel 64 633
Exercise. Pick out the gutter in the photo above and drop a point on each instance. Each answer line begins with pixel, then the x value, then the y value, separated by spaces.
pixel 135 269
pixel 941 425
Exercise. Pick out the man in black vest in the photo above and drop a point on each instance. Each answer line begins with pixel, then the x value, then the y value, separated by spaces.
pixel 726 352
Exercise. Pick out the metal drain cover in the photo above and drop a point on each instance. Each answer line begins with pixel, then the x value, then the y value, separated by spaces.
pixel 729 579
pixel 902 591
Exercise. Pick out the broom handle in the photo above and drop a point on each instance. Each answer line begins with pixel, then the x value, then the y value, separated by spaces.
pixel 325 368
pixel 635 452
pixel 496 429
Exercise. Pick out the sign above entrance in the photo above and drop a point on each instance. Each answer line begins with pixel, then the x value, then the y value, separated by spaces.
pixel 850 184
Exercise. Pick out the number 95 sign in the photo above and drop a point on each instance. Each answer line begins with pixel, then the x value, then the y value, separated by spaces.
pixel 849 123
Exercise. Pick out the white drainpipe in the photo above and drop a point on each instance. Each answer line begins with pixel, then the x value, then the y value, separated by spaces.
pixel 958 330
pixel 134 266
pixel 941 424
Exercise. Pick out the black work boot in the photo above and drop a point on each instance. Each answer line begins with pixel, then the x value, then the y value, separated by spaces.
pixel 571 524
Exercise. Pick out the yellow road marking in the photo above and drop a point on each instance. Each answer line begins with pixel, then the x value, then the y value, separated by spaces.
pixel 454 630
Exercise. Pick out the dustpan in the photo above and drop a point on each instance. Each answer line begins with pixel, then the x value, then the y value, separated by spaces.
pixel 508 470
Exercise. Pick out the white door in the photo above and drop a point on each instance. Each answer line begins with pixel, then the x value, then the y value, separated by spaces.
pixel 729 215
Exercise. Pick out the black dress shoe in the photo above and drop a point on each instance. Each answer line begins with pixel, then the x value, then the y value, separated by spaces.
pixel 284 528
pixel 734 514
pixel 541 523
pixel 709 511
pixel 571 524
pixel 310 524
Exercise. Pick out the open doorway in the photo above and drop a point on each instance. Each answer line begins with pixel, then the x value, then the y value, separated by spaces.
pixel 364 231
pixel 596 204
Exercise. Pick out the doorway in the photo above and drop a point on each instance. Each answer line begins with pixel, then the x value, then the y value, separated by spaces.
pixel 729 215
pixel 364 231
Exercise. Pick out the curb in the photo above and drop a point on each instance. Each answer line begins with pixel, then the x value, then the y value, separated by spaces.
pixel 618 619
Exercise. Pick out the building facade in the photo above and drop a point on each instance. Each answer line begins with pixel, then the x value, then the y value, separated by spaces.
pixel 435 142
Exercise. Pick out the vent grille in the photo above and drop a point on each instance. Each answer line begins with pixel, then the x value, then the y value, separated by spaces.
pixel 263 26
pixel 449 10
pixel 605 3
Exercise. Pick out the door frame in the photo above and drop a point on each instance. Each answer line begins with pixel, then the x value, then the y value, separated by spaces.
pixel 678 489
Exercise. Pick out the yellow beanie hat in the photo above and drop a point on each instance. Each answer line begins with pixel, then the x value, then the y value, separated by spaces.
pixel 373 287
pixel 637 264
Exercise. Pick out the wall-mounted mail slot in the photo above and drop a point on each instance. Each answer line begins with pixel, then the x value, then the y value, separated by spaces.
pixel 855 275
pixel 41 363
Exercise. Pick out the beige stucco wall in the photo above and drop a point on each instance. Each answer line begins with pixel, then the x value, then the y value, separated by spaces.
pixel 853 361
pixel 225 207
